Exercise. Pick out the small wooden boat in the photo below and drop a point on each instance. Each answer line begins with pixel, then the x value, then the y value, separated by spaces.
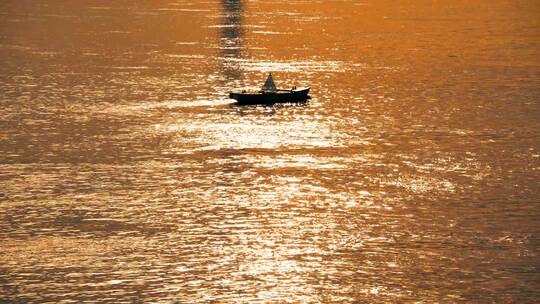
pixel 269 94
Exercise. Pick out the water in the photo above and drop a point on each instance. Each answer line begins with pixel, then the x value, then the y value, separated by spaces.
pixel 126 175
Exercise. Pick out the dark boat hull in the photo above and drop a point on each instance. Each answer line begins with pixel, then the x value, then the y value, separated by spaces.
pixel 270 97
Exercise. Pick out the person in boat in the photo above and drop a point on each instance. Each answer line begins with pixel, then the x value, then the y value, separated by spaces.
pixel 270 94
pixel 269 85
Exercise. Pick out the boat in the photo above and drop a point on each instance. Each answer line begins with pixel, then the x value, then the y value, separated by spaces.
pixel 269 94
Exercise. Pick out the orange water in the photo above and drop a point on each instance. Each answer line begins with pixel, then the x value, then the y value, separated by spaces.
pixel 411 175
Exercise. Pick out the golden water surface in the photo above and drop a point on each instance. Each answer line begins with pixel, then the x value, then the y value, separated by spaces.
pixel 126 175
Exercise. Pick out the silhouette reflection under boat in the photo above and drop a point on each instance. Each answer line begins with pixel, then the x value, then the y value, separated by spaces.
pixel 270 94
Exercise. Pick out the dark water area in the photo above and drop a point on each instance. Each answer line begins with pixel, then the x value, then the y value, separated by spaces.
pixel 126 175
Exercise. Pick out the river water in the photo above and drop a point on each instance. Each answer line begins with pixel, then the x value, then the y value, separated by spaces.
pixel 126 175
